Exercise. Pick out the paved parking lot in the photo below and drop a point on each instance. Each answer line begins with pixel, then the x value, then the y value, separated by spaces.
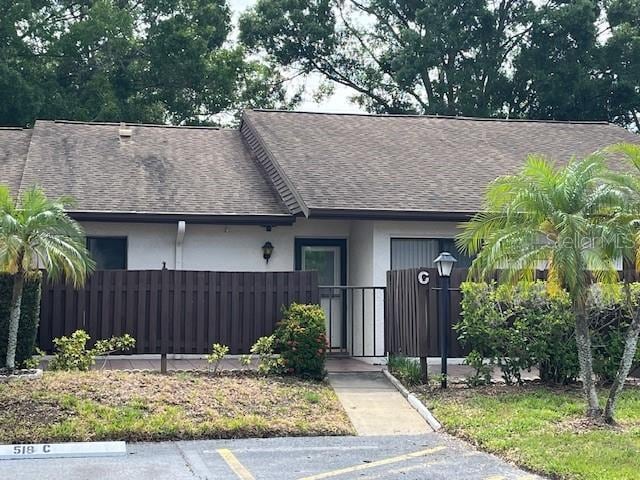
pixel 431 456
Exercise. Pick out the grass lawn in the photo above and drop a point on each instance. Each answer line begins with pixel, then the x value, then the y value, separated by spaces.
pixel 139 406
pixel 541 428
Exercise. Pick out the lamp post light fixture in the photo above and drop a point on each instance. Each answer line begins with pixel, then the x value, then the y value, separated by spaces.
pixel 444 262
pixel 267 250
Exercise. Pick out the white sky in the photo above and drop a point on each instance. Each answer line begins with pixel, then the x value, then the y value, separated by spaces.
pixel 338 102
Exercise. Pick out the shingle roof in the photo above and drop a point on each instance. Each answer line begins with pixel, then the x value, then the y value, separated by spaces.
pixel 14 144
pixel 351 162
pixel 161 170
pixel 285 163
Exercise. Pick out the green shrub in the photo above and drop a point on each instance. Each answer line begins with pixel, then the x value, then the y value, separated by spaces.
pixel 611 311
pixel 35 359
pixel 72 353
pixel 268 361
pixel 516 327
pixel 481 370
pixel 521 326
pixel 301 340
pixel 405 369
pixel 29 317
pixel 218 352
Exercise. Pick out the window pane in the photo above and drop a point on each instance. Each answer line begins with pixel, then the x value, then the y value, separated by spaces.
pixel 420 252
pixel 413 252
pixel 323 261
pixel 108 253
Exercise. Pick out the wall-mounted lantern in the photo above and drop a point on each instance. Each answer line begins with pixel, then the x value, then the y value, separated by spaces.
pixel 267 251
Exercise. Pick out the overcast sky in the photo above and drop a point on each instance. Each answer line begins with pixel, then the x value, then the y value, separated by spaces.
pixel 338 102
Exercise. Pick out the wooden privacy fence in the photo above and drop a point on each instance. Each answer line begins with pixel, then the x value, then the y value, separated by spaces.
pixel 174 311
pixel 411 313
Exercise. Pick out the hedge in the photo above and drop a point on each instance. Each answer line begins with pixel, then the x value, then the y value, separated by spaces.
pixel 29 316
pixel 522 326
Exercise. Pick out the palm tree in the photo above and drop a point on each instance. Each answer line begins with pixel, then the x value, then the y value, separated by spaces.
pixel 35 231
pixel 571 220
pixel 631 183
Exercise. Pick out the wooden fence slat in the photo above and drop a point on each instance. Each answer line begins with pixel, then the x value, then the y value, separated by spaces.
pixel 141 290
pixel 200 318
pixel 154 311
pixel 225 310
pixel 165 314
pixel 178 308
pixel 189 323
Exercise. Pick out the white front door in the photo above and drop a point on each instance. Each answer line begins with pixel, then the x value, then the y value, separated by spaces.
pixel 327 261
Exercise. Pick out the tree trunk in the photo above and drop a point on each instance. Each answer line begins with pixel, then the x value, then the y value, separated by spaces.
pixel 630 345
pixel 14 321
pixel 585 359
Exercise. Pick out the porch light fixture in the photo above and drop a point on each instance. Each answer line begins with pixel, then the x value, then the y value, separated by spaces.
pixel 267 251
pixel 445 262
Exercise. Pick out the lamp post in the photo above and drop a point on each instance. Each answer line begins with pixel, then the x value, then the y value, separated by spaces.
pixel 444 262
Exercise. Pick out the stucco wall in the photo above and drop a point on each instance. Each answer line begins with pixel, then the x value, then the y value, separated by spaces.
pixel 215 247
pixel 238 248
pixel 148 244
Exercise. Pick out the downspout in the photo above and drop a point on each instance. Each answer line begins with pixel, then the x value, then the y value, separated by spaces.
pixel 182 226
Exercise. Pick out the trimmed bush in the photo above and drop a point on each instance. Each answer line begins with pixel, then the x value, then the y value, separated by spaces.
pixel 72 353
pixel 29 316
pixel 301 340
pixel 521 326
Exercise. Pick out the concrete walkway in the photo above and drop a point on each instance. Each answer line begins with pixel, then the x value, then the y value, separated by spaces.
pixel 374 406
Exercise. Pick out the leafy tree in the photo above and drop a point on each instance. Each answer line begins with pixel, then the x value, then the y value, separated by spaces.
pixel 37 231
pixel 431 56
pixel 620 61
pixel 557 60
pixel 112 60
pixel 554 76
pixel 579 221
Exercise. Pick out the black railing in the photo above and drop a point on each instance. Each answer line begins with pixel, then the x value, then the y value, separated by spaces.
pixel 355 319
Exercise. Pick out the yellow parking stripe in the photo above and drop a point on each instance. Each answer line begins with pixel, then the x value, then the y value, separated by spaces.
pixel 234 464
pixel 378 463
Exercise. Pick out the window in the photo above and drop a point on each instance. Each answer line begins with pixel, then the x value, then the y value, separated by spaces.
pixel 109 253
pixel 420 252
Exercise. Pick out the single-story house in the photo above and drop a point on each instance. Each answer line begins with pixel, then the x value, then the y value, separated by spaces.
pixel 351 195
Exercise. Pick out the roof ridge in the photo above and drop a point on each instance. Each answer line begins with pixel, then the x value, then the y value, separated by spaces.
pixel 24 166
pixel 134 124
pixel 288 186
pixel 435 116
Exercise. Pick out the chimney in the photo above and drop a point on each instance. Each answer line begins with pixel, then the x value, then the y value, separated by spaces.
pixel 124 132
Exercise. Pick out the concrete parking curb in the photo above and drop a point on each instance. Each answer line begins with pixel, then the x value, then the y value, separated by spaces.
pixel 414 401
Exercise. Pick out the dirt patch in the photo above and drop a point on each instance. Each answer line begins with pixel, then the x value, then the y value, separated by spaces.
pixel 151 406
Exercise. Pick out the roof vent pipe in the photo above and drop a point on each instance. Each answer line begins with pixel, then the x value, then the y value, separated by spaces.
pixel 124 132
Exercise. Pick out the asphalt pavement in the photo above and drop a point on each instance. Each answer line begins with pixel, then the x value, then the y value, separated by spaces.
pixel 432 456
